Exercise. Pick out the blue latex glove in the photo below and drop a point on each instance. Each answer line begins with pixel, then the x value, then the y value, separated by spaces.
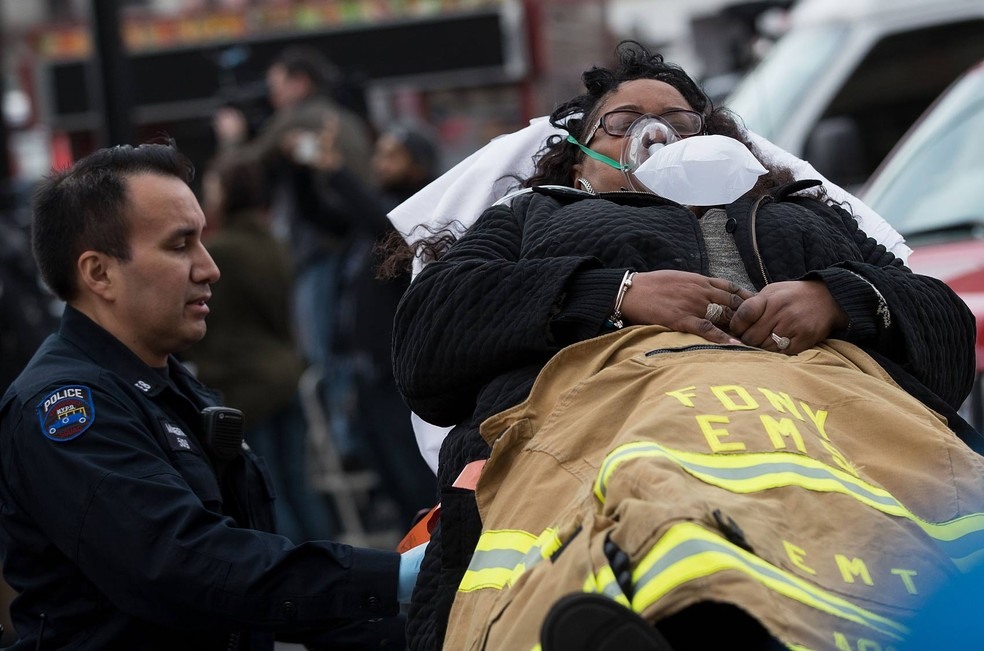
pixel 409 568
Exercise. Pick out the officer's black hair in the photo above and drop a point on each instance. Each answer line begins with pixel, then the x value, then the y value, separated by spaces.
pixel 82 208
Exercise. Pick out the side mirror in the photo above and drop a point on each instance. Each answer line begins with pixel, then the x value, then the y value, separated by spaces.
pixel 835 149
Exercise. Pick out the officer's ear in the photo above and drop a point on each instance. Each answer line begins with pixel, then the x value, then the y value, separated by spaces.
pixel 99 274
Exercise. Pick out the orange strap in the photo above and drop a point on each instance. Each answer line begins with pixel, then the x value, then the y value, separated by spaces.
pixel 421 532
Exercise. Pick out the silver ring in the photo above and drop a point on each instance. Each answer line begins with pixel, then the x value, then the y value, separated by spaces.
pixel 714 312
pixel 782 343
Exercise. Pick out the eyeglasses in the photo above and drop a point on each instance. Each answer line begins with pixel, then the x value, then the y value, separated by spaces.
pixel 616 123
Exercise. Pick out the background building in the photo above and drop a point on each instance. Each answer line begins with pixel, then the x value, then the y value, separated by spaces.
pixel 472 68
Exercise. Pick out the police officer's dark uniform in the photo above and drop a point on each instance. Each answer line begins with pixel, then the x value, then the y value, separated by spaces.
pixel 116 531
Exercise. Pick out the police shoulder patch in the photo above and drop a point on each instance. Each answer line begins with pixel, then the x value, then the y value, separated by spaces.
pixel 66 412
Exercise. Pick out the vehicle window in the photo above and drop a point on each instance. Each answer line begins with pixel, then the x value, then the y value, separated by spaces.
pixel 934 183
pixel 773 89
pixel 899 78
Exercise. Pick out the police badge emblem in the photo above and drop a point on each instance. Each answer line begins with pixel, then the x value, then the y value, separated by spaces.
pixel 66 413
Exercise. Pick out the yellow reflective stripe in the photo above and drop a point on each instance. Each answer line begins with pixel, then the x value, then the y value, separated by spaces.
pixel 495 578
pixel 549 542
pixel 506 539
pixel 604 582
pixel 688 552
pixel 496 555
pixel 502 555
pixel 961 539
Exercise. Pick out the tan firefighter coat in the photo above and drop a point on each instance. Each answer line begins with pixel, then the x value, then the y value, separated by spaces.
pixel 808 490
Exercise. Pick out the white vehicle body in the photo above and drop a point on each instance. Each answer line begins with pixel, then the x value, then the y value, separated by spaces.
pixel 843 84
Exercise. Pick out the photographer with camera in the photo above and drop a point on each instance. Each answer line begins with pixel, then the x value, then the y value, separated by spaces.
pixel 314 223
pixel 133 516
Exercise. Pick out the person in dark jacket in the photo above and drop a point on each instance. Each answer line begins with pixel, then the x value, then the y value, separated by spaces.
pixel 589 247
pixel 127 523
pixel 301 85
pixel 404 160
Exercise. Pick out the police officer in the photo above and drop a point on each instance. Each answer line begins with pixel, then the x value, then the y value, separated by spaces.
pixel 124 524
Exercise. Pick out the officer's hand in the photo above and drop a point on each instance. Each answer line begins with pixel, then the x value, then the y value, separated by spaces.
pixel 409 568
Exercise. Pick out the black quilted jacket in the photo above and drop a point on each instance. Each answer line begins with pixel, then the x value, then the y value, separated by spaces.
pixel 474 328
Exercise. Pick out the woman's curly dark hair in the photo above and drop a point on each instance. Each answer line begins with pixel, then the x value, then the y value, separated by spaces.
pixel 396 256
pixel 579 114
